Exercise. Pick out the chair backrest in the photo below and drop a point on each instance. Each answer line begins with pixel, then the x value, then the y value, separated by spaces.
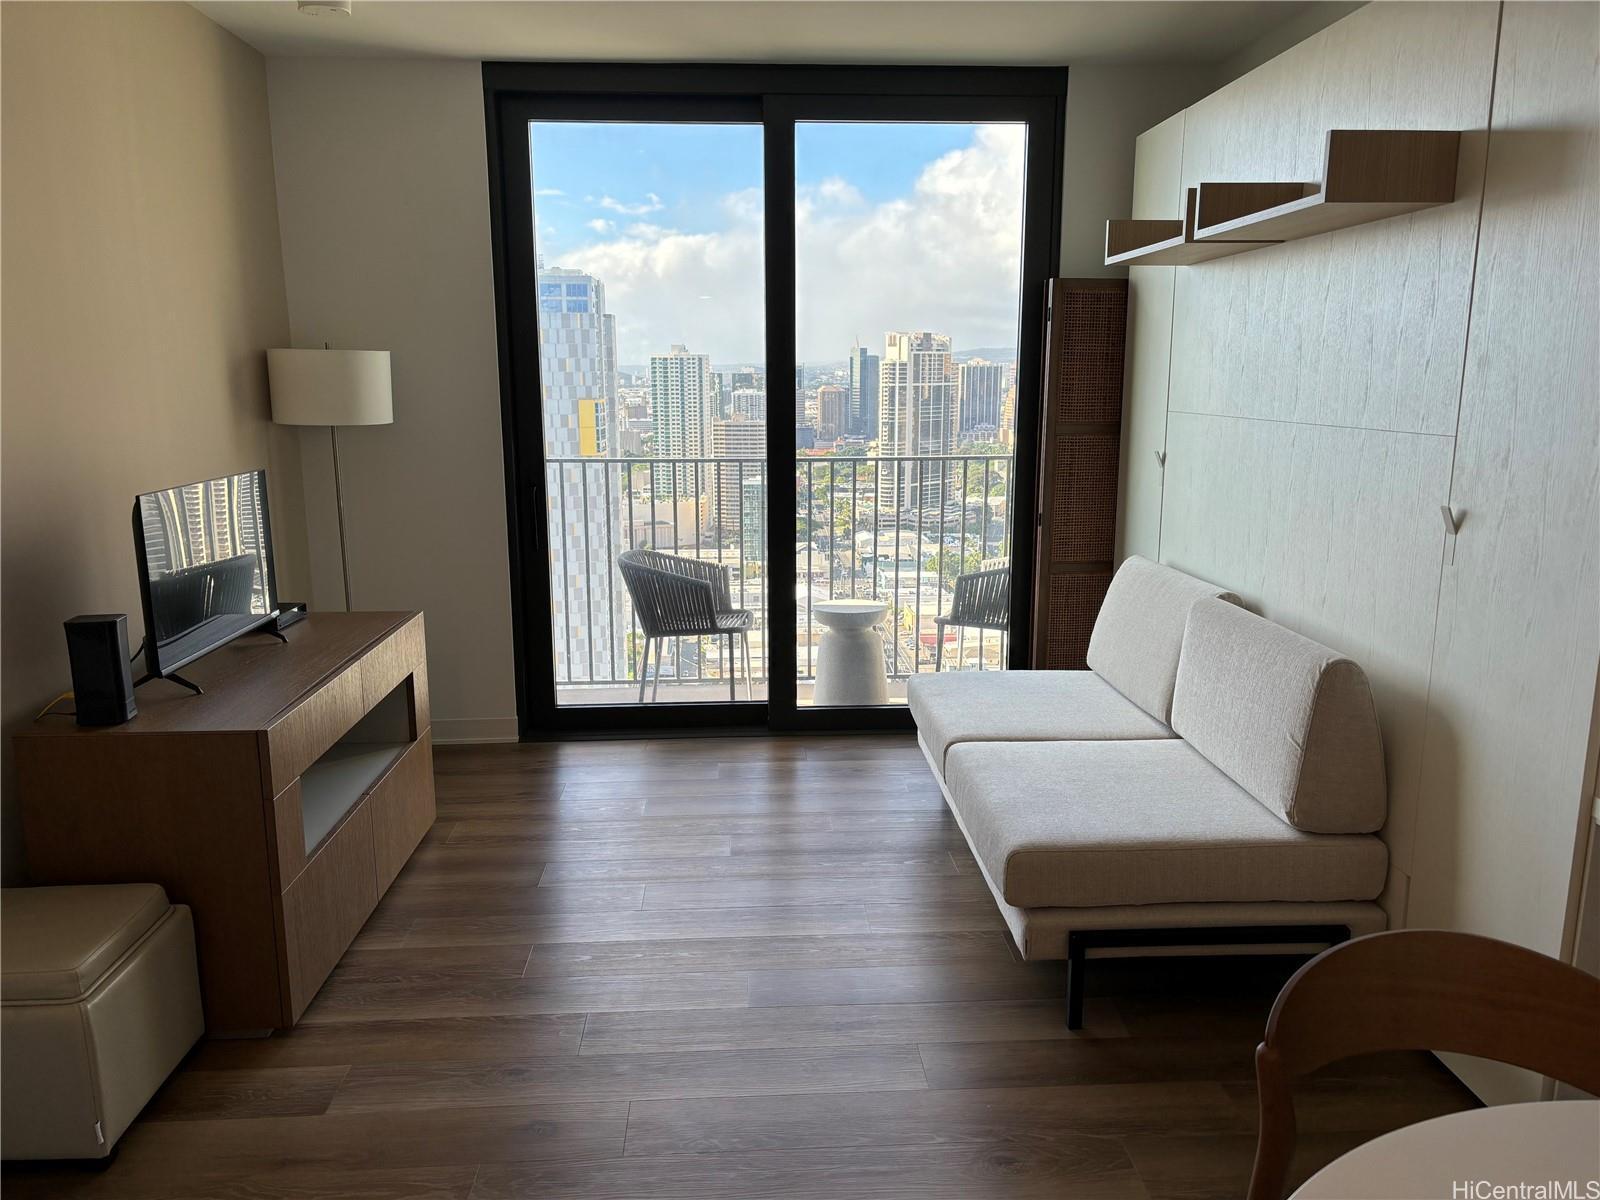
pixel 982 599
pixel 1421 989
pixel 673 595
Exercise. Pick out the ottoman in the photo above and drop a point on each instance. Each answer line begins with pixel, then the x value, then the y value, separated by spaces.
pixel 99 1001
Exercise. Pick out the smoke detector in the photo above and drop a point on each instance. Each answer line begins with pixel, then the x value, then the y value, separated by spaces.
pixel 319 8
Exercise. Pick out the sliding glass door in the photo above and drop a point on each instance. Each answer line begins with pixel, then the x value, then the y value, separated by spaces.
pixel 673 246
pixel 652 368
pixel 908 272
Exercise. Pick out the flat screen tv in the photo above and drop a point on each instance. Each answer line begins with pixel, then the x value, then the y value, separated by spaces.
pixel 205 566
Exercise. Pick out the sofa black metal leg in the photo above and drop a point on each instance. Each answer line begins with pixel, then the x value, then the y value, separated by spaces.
pixel 1076 969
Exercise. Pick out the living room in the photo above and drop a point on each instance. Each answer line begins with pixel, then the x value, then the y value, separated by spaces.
pixel 1189 698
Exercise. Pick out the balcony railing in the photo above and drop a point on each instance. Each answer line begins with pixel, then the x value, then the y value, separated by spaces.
pixel 896 528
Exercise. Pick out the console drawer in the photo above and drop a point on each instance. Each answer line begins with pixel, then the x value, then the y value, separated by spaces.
pixel 303 734
pixel 326 906
pixel 402 810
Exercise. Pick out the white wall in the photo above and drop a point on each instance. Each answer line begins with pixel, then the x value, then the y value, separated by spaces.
pixel 384 207
pixel 143 285
pixel 1107 108
pixel 1325 397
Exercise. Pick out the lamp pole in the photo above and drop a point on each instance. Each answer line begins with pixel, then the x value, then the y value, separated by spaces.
pixel 338 499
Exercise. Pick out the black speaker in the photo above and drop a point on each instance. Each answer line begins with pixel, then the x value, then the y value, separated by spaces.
pixel 102 683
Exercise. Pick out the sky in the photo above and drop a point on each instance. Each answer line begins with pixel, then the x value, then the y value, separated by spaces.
pixel 898 226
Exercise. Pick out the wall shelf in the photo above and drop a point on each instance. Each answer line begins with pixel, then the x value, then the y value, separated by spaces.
pixel 1368 175
pixel 1166 243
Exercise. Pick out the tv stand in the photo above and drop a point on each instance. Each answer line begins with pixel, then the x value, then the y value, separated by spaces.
pixel 174 677
pixel 279 802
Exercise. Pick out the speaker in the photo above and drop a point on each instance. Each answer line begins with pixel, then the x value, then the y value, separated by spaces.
pixel 102 683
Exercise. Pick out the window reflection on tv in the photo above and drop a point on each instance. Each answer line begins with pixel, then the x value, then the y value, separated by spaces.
pixel 205 561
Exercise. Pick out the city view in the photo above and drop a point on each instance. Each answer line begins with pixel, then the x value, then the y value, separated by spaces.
pixel 656 397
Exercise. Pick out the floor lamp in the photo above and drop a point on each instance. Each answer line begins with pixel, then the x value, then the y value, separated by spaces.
pixel 332 388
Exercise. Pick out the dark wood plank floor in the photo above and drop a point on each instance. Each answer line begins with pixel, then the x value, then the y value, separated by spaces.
pixel 750 967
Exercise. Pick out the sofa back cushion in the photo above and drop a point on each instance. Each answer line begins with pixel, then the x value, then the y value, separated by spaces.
pixel 1135 642
pixel 1287 719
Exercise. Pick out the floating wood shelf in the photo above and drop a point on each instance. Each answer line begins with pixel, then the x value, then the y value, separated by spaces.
pixel 1166 243
pixel 1368 174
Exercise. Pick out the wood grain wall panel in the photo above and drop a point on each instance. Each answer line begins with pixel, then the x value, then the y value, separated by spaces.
pixel 1360 327
pixel 1325 397
pixel 1519 616
pixel 1335 533
pixel 1158 171
pixel 1157 194
pixel 1144 424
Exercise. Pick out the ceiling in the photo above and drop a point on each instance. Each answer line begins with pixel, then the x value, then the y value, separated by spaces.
pixel 1045 32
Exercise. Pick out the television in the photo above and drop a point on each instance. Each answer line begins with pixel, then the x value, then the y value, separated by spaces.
pixel 205 567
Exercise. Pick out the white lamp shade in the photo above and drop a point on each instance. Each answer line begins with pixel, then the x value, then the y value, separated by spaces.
pixel 330 387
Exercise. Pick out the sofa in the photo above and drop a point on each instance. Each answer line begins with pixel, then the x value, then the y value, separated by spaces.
pixel 1213 780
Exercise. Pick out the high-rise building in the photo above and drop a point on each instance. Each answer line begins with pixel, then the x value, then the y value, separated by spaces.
pixel 800 419
pixel 577 359
pixel 750 404
pixel 683 403
pixel 863 421
pixel 742 440
pixel 578 365
pixel 612 417
pixel 1008 416
pixel 980 390
pixel 833 411
pixel 916 417
pixel 722 391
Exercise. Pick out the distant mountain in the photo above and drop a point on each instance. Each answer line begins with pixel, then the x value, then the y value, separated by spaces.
pixel 1000 354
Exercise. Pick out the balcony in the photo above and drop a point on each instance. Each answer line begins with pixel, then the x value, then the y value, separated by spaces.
pixel 899 529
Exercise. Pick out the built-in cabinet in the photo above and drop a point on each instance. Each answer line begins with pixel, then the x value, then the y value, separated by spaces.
pixel 1387 436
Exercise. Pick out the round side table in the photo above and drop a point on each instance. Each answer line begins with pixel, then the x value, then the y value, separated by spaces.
pixel 850 658
pixel 1470 1154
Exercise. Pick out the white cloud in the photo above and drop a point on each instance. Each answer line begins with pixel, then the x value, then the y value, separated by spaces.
pixel 599 225
pixel 548 192
pixel 835 190
pixel 945 257
pixel 650 204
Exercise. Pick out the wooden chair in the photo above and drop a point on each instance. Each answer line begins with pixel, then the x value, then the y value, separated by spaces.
pixel 683 597
pixel 1420 989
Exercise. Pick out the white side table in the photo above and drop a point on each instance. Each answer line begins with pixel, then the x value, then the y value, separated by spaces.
pixel 1463 1154
pixel 850 658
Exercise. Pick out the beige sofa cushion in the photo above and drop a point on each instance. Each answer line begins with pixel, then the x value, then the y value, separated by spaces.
pixel 1136 638
pixel 56 942
pixel 1022 706
pixel 1085 824
pixel 1289 720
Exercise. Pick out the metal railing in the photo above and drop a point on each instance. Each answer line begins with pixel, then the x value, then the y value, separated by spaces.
pixel 896 528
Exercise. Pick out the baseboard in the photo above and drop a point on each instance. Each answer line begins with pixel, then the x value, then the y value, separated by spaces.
pixel 465 730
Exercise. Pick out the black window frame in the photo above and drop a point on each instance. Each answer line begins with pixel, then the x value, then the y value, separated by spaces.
pixel 775 97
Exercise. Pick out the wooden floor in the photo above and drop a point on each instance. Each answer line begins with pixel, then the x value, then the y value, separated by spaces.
pixel 726 968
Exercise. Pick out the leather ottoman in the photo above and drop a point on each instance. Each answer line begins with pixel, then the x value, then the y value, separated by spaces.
pixel 99 1001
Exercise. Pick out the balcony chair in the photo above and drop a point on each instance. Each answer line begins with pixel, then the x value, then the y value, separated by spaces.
pixel 683 597
pixel 1420 989
pixel 982 601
